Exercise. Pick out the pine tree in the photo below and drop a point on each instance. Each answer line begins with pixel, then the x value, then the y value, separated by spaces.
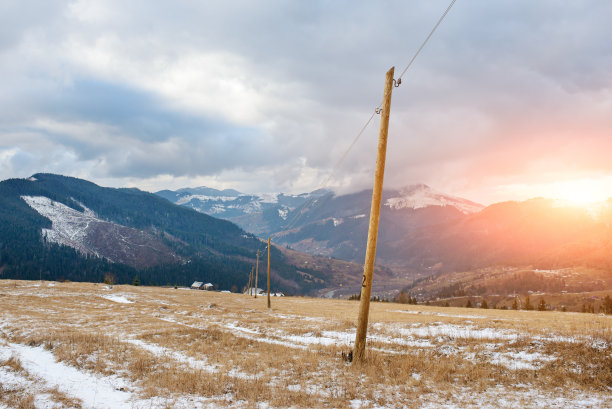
pixel 484 304
pixel 514 305
pixel 468 304
pixel 542 305
pixel 528 305
pixel 136 281
pixel 607 305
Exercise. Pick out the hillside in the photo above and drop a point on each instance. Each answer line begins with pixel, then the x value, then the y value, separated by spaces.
pixel 57 227
pixel 565 288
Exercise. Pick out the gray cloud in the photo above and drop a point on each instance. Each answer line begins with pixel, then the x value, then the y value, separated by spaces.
pixel 274 92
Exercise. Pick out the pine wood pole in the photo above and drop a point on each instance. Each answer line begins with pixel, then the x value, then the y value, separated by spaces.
pixel 268 272
pixel 250 280
pixel 368 268
pixel 256 273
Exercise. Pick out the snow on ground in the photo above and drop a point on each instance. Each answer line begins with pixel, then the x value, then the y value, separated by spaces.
pixel 520 360
pixel 497 346
pixel 440 314
pixel 117 298
pixel 451 331
pixel 94 391
pixel 177 356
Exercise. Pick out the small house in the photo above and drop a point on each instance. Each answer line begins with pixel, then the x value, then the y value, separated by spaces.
pixel 197 285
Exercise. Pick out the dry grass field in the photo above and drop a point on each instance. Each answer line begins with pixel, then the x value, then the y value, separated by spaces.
pixel 73 345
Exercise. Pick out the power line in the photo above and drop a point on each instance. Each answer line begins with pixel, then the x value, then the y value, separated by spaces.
pixel 347 151
pixel 433 30
pixel 377 109
pixel 294 221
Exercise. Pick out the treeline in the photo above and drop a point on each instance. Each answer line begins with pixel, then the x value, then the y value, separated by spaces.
pixel 520 282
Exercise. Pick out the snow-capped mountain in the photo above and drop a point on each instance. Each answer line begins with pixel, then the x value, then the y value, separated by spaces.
pixel 257 213
pixel 421 195
pixel 323 223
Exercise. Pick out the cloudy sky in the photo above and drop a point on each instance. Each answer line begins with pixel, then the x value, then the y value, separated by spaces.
pixel 510 99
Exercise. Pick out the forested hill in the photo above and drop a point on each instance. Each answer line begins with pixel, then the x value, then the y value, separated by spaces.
pixel 57 227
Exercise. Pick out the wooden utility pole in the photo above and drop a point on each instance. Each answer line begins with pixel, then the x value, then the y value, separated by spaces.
pixel 368 268
pixel 268 272
pixel 250 281
pixel 256 273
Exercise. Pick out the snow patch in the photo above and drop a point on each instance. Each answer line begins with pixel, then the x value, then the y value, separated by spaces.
pixel 283 213
pixel 94 391
pixel 177 356
pixel 117 298
pixel 68 226
pixel 521 360
pixel 203 198
pixel 268 197
pixel 457 332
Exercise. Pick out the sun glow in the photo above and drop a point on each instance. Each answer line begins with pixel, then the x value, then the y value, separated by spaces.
pixel 576 192
pixel 580 192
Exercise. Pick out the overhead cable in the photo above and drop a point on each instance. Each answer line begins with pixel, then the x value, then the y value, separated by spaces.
pixel 396 83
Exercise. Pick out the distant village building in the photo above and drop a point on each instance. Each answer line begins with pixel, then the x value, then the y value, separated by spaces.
pixel 199 285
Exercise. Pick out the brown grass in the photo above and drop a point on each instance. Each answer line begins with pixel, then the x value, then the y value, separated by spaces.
pixel 232 350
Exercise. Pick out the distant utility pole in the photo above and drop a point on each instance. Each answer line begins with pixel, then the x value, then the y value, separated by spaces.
pixel 368 268
pixel 256 273
pixel 250 281
pixel 268 272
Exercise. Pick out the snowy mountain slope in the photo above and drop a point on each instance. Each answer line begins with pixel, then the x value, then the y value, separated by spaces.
pixel 323 223
pixel 69 227
pixel 257 213
pixel 421 195
pixel 88 234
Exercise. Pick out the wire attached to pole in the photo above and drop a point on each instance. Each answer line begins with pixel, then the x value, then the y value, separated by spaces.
pixel 396 83
pixel 433 30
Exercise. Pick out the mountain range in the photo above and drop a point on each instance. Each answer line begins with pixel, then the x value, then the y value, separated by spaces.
pixel 56 227
pixel 421 230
